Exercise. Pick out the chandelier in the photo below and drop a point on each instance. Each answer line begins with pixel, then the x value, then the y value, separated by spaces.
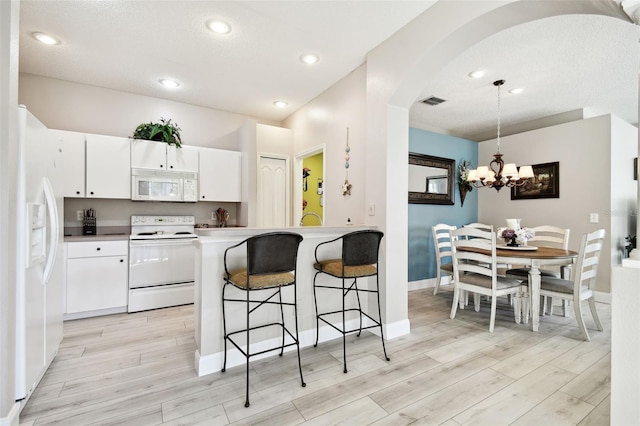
pixel 498 174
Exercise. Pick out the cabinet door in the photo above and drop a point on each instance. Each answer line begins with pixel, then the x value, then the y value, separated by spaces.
pixel 96 283
pixel 183 159
pixel 148 155
pixel 108 167
pixel 74 162
pixel 220 175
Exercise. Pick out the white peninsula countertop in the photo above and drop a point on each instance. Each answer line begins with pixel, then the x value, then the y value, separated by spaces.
pixel 210 247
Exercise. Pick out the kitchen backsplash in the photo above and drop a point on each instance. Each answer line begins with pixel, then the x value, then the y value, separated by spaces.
pixel 117 213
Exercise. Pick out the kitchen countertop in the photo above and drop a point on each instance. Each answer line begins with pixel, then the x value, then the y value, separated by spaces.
pixel 105 233
pixel 99 237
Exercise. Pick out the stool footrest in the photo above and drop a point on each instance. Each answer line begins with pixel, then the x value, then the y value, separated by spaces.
pixel 248 355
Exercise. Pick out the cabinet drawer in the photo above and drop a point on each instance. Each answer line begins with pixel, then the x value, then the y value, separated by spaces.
pixel 97 249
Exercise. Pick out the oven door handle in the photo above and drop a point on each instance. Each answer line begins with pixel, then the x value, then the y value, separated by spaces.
pixel 161 242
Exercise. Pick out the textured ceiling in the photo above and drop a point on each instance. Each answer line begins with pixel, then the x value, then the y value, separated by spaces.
pixel 130 45
pixel 563 63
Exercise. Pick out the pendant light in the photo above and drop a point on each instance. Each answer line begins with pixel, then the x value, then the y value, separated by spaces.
pixel 497 174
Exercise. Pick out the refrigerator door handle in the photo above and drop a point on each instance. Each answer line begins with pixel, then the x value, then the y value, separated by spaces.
pixel 53 226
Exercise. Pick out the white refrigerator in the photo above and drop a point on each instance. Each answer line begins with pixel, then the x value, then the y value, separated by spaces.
pixel 39 287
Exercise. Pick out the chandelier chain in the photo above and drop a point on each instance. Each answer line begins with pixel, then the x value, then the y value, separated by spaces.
pixel 499 109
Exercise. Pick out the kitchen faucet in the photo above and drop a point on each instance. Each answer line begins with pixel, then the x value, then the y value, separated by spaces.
pixel 311 214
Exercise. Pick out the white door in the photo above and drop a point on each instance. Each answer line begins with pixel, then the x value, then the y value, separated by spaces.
pixel 272 192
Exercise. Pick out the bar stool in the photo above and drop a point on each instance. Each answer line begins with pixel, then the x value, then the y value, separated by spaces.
pixel 359 259
pixel 271 260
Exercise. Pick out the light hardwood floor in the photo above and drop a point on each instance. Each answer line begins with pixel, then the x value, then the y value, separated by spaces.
pixel 138 369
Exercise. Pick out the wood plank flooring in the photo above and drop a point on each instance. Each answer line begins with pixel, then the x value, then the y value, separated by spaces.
pixel 137 369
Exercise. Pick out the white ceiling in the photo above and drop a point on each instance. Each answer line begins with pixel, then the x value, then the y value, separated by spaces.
pixel 130 45
pixel 563 63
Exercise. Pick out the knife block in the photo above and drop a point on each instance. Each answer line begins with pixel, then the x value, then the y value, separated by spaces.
pixel 89 226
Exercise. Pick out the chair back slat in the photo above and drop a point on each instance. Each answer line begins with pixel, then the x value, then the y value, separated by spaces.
pixel 466 261
pixel 273 252
pixel 482 226
pixel 550 236
pixel 442 240
pixel 588 259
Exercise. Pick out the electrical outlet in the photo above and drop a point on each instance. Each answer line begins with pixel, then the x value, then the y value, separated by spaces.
pixel 79 215
pixel 213 215
pixel 593 218
pixel 372 209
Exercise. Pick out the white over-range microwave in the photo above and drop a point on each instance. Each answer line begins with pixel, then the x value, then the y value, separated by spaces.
pixel 160 185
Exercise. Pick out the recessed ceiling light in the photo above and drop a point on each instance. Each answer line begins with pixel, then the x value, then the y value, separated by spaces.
pixel 168 83
pixel 516 91
pixel 309 58
pixel 45 38
pixel 280 104
pixel 219 27
pixel 476 74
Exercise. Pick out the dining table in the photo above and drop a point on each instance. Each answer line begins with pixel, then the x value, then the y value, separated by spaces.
pixel 533 257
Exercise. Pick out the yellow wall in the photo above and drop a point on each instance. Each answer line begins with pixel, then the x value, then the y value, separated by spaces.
pixel 314 163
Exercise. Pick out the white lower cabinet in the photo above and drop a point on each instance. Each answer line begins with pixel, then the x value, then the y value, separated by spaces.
pixel 97 278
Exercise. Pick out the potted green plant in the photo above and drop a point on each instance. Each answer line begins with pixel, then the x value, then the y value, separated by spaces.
pixel 163 131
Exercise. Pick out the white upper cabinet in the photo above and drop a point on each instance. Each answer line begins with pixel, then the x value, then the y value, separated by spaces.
pixel 161 156
pixel 108 167
pixel 73 155
pixel 220 175
pixel 183 159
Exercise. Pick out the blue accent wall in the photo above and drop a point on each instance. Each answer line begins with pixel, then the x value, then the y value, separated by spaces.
pixel 422 217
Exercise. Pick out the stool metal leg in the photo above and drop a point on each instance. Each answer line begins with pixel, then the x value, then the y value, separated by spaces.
pixel 224 330
pixel 295 311
pixel 344 330
pixel 282 318
pixel 315 303
pixel 246 403
pixel 355 286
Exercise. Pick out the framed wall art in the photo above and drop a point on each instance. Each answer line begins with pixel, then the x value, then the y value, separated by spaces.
pixel 545 183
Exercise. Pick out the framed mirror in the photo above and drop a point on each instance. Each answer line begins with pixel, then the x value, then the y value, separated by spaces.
pixel 431 179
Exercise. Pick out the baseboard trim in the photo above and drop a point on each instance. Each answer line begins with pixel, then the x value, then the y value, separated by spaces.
pixel 428 283
pixel 602 297
pixel 13 417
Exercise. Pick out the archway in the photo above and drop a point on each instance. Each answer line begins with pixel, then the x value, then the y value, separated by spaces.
pixel 396 74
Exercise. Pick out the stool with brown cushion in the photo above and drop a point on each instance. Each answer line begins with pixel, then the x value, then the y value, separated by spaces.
pixel 359 259
pixel 271 261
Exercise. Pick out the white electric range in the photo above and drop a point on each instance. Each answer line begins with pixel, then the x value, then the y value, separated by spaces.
pixel 161 262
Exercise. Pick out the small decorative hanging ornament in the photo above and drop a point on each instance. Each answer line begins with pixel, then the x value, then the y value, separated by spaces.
pixel 346 187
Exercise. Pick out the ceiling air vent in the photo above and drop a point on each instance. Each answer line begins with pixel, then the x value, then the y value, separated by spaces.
pixel 433 101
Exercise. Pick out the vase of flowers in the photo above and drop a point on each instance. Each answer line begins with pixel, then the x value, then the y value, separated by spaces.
pixel 515 237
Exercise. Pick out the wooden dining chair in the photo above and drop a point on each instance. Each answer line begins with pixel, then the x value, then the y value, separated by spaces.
pixel 442 247
pixel 580 287
pixel 477 272
pixel 546 236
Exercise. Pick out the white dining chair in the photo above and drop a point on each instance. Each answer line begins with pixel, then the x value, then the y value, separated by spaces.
pixel 482 226
pixel 442 247
pixel 580 287
pixel 547 236
pixel 478 272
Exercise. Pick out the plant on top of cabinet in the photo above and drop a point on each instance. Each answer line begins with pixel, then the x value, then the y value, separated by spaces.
pixel 164 131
